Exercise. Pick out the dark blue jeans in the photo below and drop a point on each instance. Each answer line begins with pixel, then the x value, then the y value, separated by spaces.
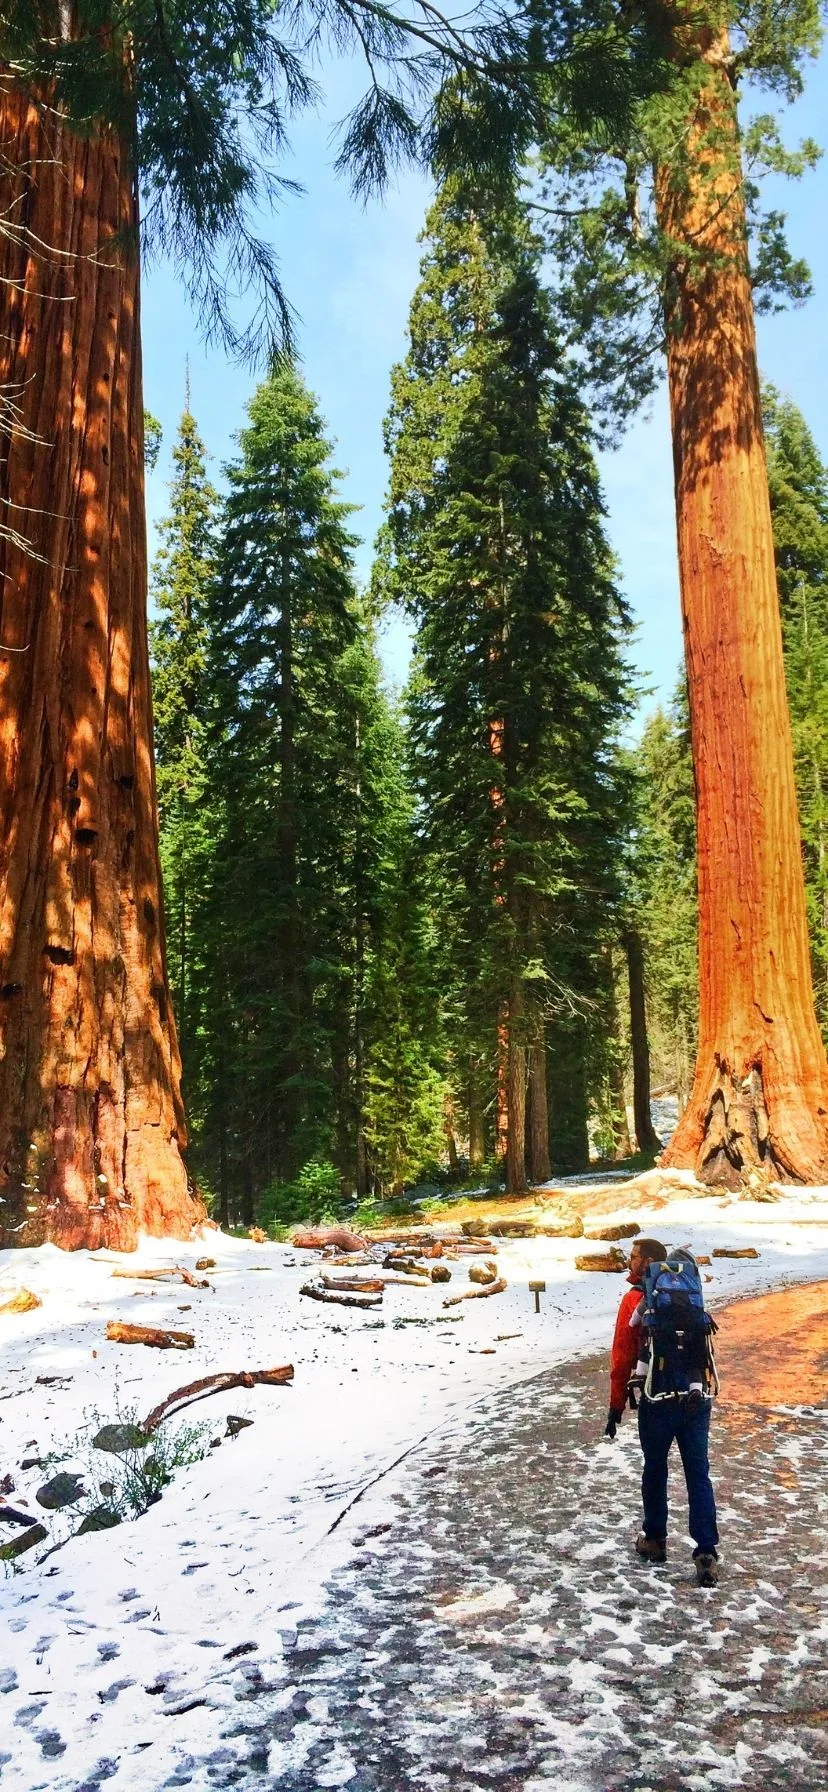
pixel 660 1424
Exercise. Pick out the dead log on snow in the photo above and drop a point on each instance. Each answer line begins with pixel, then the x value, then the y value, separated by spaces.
pixel 160 1337
pixel 10 1515
pixel 216 1384
pixel 314 1292
pixel 318 1237
pixel 469 1247
pixel 406 1269
pixel 354 1284
pixel 611 1262
pixel 476 1293
pixel 415 1240
pixel 725 1251
pixel 484 1273
pixel 352 1260
pixel 37 1533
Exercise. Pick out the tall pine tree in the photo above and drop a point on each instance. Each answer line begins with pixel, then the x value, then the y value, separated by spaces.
pixel 798 480
pixel 181 576
pixel 495 544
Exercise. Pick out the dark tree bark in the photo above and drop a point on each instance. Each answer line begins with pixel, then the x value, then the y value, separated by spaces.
pixel 91 1118
pixel 537 1128
pixel 477 1135
pixel 451 1141
pixel 621 1146
pixel 287 873
pixel 248 1211
pixel 516 1097
pixel 646 1137
pixel 760 1093
pixel 224 1186
pixel 566 1082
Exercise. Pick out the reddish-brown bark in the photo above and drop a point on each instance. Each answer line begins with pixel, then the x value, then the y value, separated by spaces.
pixel 760 1093
pixel 91 1120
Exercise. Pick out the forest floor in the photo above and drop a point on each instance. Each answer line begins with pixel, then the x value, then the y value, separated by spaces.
pixel 414 1568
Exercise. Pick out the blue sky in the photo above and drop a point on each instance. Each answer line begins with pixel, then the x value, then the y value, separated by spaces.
pixel 350 271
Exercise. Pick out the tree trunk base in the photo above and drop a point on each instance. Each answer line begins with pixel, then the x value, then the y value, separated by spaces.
pixel 731 1140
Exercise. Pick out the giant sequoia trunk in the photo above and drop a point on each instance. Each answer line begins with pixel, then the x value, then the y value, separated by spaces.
pixel 91 1121
pixel 760 1093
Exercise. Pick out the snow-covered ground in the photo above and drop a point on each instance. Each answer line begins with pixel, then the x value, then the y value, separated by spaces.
pixel 251 1531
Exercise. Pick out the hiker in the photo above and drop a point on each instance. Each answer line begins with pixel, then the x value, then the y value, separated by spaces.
pixel 671 1367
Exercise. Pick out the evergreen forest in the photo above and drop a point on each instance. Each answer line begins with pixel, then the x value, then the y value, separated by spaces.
pixel 447 936
pixel 274 935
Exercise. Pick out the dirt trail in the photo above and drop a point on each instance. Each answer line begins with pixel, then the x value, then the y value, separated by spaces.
pixel 773 1350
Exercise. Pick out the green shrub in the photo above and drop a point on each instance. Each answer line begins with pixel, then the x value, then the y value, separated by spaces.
pixel 314 1198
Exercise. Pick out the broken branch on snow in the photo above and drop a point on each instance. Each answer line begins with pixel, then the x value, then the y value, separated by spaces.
pixel 314 1292
pixel 216 1384
pixel 163 1275
pixel 160 1337
pixel 477 1293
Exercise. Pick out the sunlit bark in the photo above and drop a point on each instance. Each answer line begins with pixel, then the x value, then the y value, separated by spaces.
pixel 91 1120
pixel 760 1093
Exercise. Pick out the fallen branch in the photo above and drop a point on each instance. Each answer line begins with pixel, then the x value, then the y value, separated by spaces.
pixel 146 1275
pixel 343 1300
pixel 726 1251
pixel 216 1384
pixel 161 1338
pixel 353 1260
pixel 163 1275
pixel 477 1293
pixel 406 1270
pixel 354 1284
pixel 414 1239
pixel 10 1515
pixel 23 1541
pixel 470 1246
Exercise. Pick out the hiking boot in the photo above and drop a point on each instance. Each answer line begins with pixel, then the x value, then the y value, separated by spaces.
pixel 707 1570
pixel 653 1549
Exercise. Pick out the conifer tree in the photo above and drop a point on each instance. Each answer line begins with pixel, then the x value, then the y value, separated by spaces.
pixel 283 615
pixel 495 543
pixel 181 577
pixel 662 889
pixel 672 229
pixel 188 109
pixel 799 507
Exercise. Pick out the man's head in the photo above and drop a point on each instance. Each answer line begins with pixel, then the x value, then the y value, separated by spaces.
pixel 644 1251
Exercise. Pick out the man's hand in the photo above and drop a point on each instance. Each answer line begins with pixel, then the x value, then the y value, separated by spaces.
pixel 614 1418
pixel 695 1403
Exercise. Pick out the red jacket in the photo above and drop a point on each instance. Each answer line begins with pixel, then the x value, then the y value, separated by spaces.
pixel 626 1348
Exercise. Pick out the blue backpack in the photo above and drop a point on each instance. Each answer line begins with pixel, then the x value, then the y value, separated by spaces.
pixel 677 1328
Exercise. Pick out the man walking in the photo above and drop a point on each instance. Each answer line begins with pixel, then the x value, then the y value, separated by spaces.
pixel 680 1414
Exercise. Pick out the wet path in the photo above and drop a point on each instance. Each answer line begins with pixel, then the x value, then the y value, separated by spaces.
pixel 496 1631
